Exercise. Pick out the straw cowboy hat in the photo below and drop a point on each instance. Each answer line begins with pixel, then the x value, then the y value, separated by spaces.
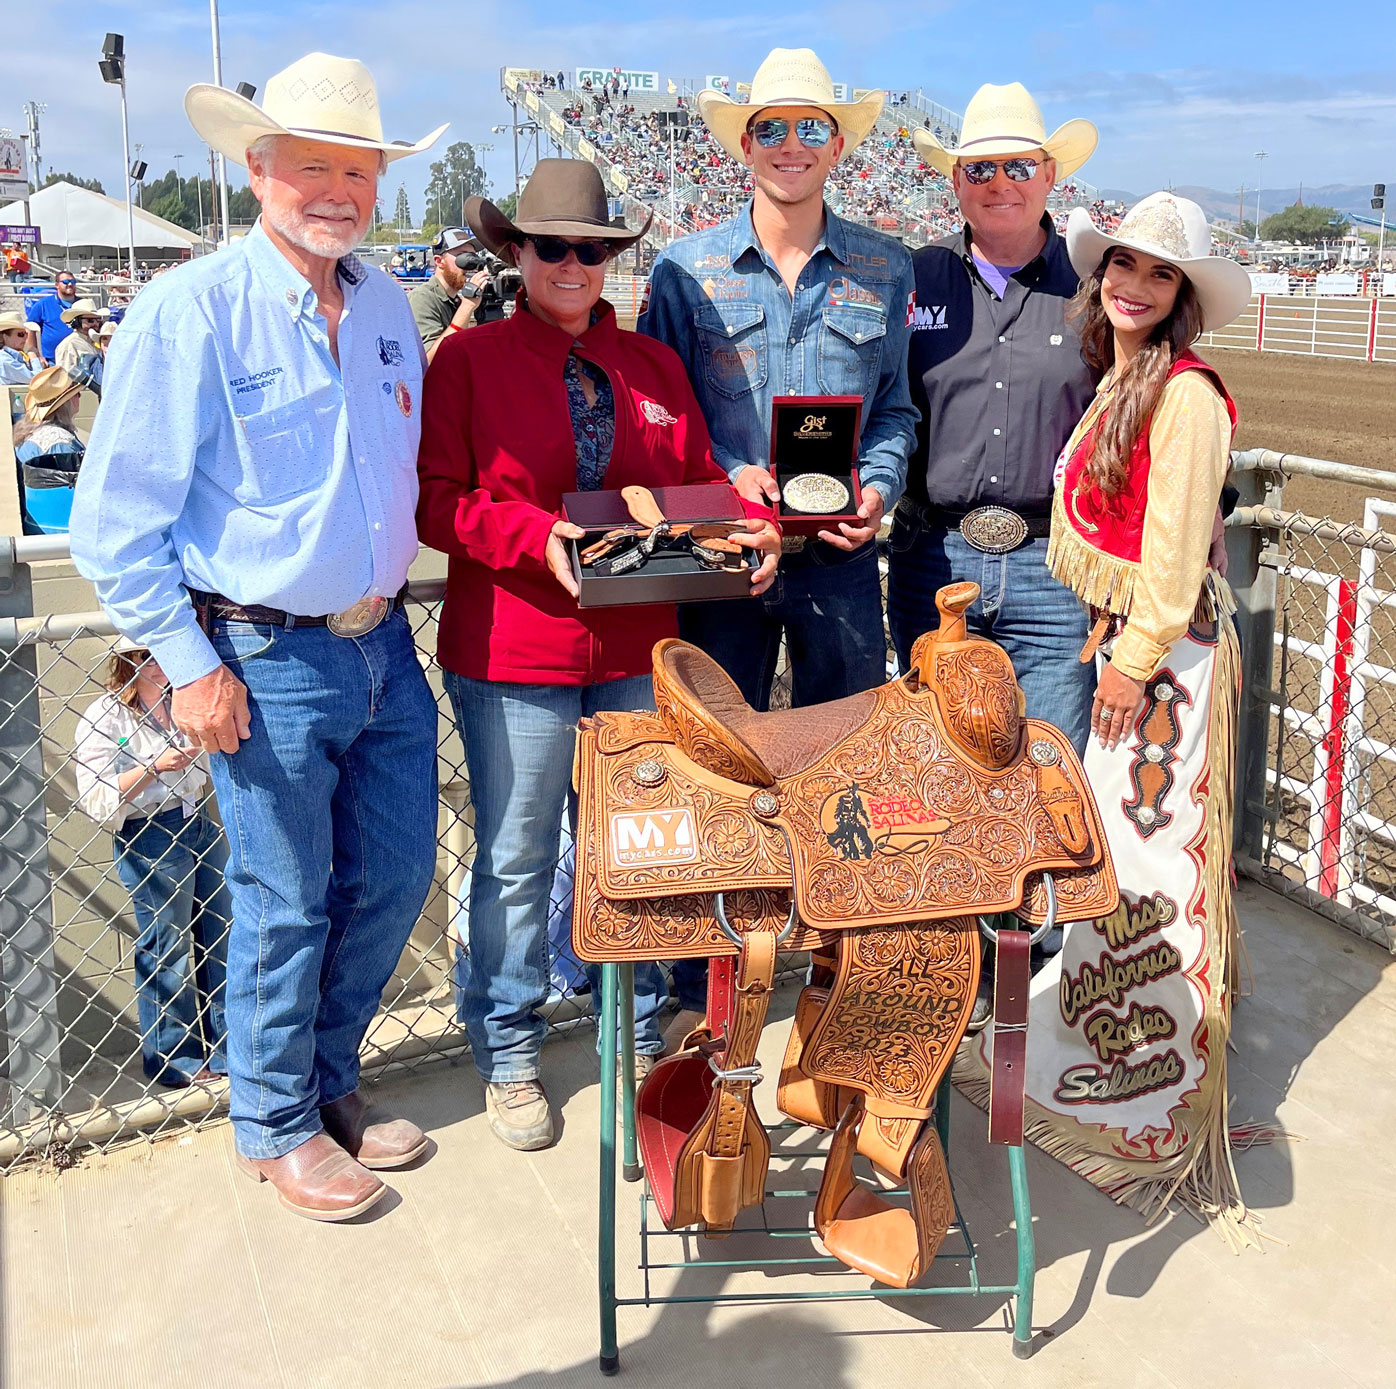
pixel 84 308
pixel 1001 121
pixel 788 77
pixel 318 97
pixel 107 330
pixel 1169 228
pixel 563 197
pixel 12 318
pixel 49 389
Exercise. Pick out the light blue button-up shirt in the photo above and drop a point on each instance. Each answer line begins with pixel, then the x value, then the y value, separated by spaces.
pixel 719 301
pixel 232 454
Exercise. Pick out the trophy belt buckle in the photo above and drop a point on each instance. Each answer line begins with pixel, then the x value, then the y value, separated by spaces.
pixel 361 618
pixel 994 530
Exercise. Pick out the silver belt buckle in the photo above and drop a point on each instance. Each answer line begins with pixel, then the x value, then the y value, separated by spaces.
pixel 994 530
pixel 359 619
pixel 792 544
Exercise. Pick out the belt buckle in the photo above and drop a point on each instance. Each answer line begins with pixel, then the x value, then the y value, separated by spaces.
pixel 994 530
pixel 792 544
pixel 359 619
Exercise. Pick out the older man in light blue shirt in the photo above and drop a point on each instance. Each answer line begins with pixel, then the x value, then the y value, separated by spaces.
pixel 246 512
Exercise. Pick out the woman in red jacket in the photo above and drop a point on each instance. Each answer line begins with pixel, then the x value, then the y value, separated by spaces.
pixel 555 399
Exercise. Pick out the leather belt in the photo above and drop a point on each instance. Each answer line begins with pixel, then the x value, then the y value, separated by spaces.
pixel 215 605
pixel 992 530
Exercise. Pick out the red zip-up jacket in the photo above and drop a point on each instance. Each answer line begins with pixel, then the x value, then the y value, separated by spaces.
pixel 496 457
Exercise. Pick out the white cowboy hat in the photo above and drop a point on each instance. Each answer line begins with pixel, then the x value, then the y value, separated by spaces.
pixel 318 97
pixel 1006 120
pixel 12 318
pixel 107 330
pixel 788 77
pixel 1169 228
pixel 84 308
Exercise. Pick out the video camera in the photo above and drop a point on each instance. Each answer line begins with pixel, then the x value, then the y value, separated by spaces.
pixel 504 283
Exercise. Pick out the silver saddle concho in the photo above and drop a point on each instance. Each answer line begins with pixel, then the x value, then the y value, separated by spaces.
pixel 360 618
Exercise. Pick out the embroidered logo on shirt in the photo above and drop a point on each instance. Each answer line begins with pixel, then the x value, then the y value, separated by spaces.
pixel 932 316
pixel 258 381
pixel 843 292
pixel 655 413
pixel 715 261
pixel 404 398
pixel 1055 339
pixel 727 288
pixel 390 352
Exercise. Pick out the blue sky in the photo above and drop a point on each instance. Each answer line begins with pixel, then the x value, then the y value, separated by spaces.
pixel 1183 93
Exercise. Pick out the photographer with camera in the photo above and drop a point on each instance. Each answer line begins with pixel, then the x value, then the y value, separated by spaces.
pixel 461 291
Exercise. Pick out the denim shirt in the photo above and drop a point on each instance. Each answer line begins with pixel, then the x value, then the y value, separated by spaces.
pixel 593 425
pixel 718 300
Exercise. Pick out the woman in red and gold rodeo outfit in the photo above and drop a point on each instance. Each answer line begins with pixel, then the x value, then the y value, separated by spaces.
pixel 1126 1071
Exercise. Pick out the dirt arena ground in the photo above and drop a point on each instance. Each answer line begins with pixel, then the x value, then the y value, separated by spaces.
pixel 1317 406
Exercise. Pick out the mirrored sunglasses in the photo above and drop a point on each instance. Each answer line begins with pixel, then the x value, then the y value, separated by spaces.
pixel 982 171
pixel 811 131
pixel 553 250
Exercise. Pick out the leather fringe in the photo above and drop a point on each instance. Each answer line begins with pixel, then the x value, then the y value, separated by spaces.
pixel 1203 1181
pixel 1096 578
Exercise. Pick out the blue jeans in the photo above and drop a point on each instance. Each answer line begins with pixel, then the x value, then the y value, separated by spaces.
pixel 330 809
pixel 173 869
pixel 518 741
pixel 828 604
pixel 1038 622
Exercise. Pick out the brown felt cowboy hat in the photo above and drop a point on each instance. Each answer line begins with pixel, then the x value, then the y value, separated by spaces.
pixel 563 197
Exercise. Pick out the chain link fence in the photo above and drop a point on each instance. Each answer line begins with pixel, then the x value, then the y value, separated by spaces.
pixel 1316 809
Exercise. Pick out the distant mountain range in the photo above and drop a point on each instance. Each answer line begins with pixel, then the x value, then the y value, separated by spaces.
pixel 1220 206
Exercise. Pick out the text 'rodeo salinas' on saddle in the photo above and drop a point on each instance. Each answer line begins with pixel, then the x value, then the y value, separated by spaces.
pixel 873 831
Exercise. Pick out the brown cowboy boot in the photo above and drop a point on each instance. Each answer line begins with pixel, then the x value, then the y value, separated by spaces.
pixel 371 1135
pixel 318 1180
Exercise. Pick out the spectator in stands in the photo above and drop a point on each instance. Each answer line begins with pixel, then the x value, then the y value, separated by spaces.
pixel 16 262
pixel 48 452
pixel 554 399
pixel 142 779
pixel 786 297
pixel 998 377
pixel 449 301
pixel 84 318
pixel 16 335
pixel 257 542
pixel 47 311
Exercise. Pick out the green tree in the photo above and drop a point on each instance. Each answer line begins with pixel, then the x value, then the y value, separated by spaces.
pixel 1304 225
pixel 402 215
pixel 54 177
pixel 170 207
pixel 1246 229
pixel 455 177
pixel 509 205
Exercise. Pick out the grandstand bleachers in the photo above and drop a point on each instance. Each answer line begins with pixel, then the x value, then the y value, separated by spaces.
pixel 882 184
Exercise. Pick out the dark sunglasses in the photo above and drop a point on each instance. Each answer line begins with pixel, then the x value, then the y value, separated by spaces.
pixel 812 132
pixel 982 171
pixel 553 250
pixel 66 282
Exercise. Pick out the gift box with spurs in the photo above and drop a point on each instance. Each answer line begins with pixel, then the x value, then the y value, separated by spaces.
pixel 669 545
pixel 814 457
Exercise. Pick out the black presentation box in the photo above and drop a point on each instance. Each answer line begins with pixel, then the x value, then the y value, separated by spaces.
pixel 668 576
pixel 816 434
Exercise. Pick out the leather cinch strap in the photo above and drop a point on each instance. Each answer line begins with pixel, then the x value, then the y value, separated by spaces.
pixel 1008 1075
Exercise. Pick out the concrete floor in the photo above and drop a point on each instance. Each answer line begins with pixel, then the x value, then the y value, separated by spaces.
pixel 163 1266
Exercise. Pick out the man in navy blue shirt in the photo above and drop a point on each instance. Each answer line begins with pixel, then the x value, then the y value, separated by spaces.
pixel 47 311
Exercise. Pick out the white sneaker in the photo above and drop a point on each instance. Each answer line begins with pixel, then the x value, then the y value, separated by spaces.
pixel 519 1114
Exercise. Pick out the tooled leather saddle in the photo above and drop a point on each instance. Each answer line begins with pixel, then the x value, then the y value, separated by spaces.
pixel 874 831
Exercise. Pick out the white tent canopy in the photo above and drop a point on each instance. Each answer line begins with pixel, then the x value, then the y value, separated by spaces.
pixel 71 218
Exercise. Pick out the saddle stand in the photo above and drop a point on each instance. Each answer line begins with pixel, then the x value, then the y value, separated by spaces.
pixel 876 832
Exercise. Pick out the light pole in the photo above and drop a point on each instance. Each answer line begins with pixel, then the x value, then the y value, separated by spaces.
pixel 113 69
pixel 139 177
pixel 218 81
pixel 1260 157
pixel 515 126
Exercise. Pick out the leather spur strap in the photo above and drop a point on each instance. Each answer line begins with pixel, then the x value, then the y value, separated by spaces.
pixel 1008 1074
pixel 705 1150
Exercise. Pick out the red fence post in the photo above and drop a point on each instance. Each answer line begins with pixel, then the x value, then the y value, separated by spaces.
pixel 1260 326
pixel 1372 333
pixel 1335 739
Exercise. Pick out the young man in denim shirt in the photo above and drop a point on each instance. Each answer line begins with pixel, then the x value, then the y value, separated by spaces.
pixel 788 299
